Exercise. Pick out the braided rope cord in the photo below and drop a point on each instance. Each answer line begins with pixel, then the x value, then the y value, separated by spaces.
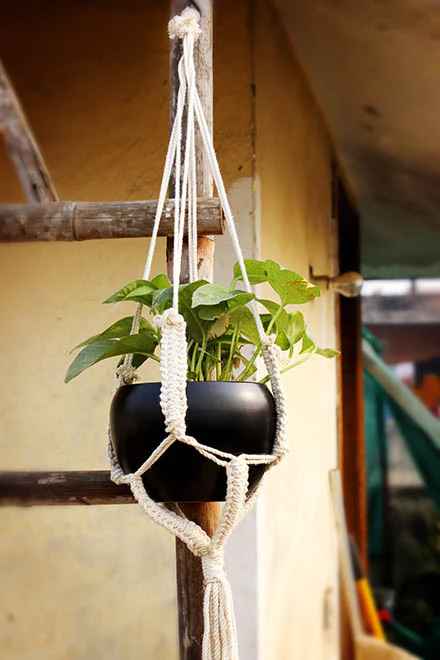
pixel 220 638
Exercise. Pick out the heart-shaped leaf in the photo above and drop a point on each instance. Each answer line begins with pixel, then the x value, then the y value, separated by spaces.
pixel 117 330
pixel 138 290
pixel 144 343
pixel 327 352
pixel 291 287
pixel 291 290
pixel 141 291
pixel 161 281
pixel 308 345
pixel 255 269
pixel 214 294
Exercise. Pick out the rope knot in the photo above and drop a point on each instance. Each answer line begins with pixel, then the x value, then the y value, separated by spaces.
pixel 126 374
pixel 268 341
pixel 172 318
pixel 271 350
pixel 187 23
pixel 213 566
pixel 176 428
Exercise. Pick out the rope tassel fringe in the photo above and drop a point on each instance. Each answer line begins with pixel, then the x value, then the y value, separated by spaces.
pixel 220 632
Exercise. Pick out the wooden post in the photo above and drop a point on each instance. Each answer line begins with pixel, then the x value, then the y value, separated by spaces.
pixel 188 567
pixel 22 147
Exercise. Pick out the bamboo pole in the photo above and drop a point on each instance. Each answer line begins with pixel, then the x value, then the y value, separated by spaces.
pixel 72 487
pixel 188 567
pixel 82 221
pixel 22 147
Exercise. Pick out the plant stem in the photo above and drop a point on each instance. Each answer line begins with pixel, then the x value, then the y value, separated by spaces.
pixel 247 370
pixel 290 366
pixel 202 351
pixel 193 357
pixel 228 368
pixel 274 319
pixel 218 366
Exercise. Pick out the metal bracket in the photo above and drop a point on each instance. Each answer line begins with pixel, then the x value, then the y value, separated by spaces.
pixel 347 284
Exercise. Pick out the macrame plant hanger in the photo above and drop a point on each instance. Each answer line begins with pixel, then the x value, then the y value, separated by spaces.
pixel 219 638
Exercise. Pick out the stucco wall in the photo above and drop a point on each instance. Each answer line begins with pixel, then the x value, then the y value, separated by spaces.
pixel 91 582
pixel 99 582
pixel 298 610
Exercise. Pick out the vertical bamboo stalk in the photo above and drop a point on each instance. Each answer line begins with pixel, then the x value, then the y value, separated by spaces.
pixel 188 567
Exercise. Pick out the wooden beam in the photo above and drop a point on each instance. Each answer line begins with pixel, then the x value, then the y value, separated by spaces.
pixel 61 488
pixel 188 567
pixel 82 221
pixel 22 147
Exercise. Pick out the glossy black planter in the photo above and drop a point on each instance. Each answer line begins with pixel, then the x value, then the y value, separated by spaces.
pixel 234 417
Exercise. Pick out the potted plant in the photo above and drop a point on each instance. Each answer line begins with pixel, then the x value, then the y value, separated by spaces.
pixel 226 409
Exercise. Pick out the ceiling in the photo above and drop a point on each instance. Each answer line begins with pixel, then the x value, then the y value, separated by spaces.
pixel 374 67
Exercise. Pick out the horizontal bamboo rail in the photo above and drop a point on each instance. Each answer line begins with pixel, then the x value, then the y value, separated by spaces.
pixel 82 221
pixel 61 488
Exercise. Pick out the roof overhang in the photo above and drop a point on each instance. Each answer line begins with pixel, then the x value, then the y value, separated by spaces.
pixel 374 68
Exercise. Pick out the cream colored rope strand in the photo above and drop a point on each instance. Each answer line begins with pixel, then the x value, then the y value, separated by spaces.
pixel 220 639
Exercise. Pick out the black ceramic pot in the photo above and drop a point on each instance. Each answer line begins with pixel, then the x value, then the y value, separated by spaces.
pixel 234 417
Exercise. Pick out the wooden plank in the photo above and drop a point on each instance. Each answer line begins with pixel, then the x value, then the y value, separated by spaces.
pixel 188 567
pixel 82 221
pixel 22 147
pixel 71 487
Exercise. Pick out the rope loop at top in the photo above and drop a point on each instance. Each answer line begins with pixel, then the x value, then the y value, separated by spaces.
pixel 187 23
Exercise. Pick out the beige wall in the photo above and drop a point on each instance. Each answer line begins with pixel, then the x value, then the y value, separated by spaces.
pixel 85 582
pixel 297 560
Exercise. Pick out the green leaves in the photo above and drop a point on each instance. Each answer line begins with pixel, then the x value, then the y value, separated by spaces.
pixel 295 327
pixel 140 291
pixel 219 324
pixel 213 294
pixel 243 319
pixel 292 288
pixel 309 346
pixel 137 290
pixel 144 344
pixel 196 327
pixel 289 327
pixel 117 330
pixel 327 352
pixel 161 281
pixel 256 271
pixel 221 306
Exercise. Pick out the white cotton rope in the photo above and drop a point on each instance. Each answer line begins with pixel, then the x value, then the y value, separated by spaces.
pixel 220 636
